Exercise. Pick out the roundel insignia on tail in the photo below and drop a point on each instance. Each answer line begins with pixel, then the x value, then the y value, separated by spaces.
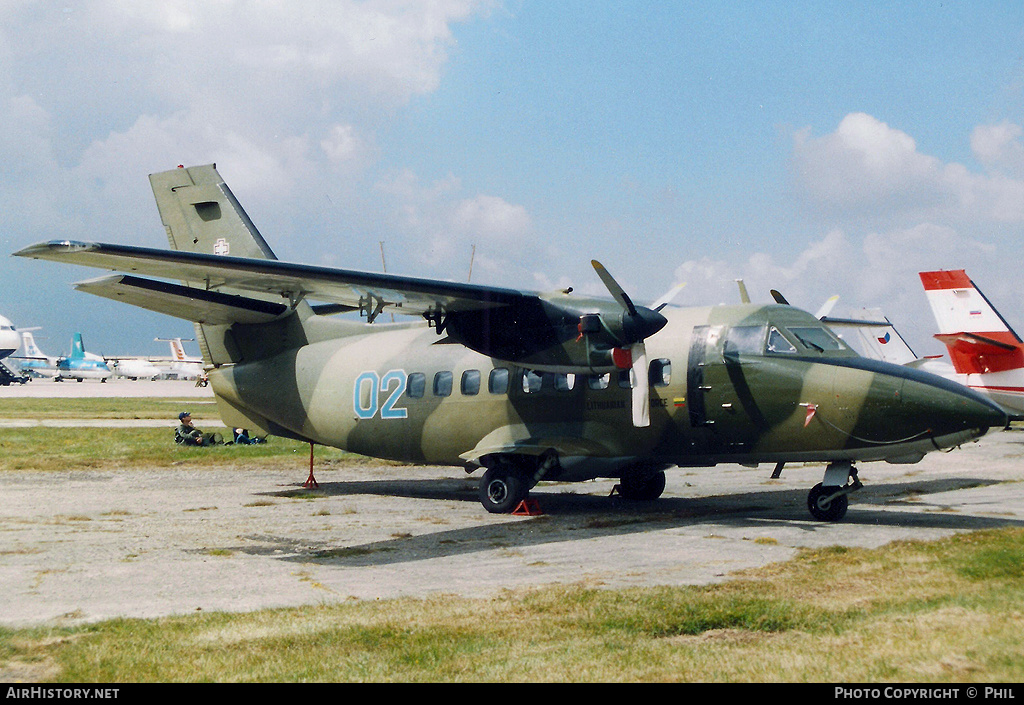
pixel 884 339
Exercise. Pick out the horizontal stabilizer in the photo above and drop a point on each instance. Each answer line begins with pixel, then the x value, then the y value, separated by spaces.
pixel 197 305
pixel 974 344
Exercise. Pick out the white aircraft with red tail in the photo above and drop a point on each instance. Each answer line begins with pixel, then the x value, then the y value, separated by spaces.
pixel 986 353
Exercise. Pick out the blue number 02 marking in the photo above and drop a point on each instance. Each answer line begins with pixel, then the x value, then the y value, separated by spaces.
pixel 379 386
pixel 387 409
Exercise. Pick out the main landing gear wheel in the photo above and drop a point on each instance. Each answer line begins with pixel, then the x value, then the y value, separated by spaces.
pixel 502 488
pixel 825 509
pixel 640 486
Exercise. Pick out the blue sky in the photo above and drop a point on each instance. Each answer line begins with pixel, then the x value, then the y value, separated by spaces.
pixel 816 148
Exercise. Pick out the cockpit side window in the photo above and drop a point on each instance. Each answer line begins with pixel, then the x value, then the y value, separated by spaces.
pixel 744 340
pixel 777 343
pixel 818 339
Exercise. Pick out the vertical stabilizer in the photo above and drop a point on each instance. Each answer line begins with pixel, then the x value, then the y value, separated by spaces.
pixel 177 349
pixel 77 347
pixel 978 338
pixel 31 348
pixel 202 215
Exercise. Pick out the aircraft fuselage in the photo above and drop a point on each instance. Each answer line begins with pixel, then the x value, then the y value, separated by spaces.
pixel 719 393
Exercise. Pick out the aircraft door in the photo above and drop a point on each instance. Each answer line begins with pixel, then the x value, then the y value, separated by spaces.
pixel 724 414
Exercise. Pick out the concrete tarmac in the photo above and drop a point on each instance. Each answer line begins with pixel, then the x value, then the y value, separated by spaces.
pixel 146 542
pixel 47 388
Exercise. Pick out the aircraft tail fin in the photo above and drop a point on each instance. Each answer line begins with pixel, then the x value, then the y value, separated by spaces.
pixel 202 215
pixel 872 335
pixel 77 347
pixel 177 349
pixel 31 348
pixel 978 338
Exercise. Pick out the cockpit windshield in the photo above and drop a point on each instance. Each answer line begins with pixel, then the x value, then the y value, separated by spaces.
pixel 779 340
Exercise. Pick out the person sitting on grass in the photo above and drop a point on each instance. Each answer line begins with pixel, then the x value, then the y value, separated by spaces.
pixel 189 435
pixel 242 438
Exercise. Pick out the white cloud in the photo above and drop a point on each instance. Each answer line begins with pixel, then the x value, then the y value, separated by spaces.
pixel 234 72
pixel 866 169
pixel 492 219
pixel 441 224
pixel 999 147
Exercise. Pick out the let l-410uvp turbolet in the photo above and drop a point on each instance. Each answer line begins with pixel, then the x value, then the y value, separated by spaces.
pixel 530 386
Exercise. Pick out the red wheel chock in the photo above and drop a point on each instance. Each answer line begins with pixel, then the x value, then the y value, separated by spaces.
pixel 527 508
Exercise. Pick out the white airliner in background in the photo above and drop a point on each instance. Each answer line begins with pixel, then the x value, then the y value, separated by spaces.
pixel 180 364
pixel 34 361
pixel 135 368
pixel 10 340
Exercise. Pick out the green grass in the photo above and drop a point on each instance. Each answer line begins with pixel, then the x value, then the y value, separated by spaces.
pixel 53 449
pixel 940 612
pixel 50 448
pixel 107 408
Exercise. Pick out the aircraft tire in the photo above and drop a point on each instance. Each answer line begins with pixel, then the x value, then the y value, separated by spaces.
pixel 831 511
pixel 642 487
pixel 502 488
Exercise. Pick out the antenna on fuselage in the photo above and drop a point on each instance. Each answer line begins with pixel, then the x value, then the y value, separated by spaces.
pixel 384 264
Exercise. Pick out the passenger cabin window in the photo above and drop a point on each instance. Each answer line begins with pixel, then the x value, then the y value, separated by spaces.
pixel 443 384
pixel 497 381
pixel 564 382
pixel 626 380
pixel 417 385
pixel 660 372
pixel 777 343
pixel 470 383
pixel 532 381
pixel 599 381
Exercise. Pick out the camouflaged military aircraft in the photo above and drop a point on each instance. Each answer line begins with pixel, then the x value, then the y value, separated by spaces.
pixel 528 386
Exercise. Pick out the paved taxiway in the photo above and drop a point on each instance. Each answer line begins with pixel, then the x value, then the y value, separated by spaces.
pixel 87 545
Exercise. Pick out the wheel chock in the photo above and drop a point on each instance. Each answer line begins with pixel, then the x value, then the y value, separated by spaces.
pixel 527 508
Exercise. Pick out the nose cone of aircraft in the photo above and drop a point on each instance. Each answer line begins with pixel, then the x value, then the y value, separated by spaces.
pixel 950 407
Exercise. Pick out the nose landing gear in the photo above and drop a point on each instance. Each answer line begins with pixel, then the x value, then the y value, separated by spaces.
pixel 828 500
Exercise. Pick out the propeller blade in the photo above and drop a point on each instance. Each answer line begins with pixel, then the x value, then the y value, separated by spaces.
pixel 827 307
pixel 667 298
pixel 641 386
pixel 613 286
pixel 744 296
pixel 779 298
pixel 636 322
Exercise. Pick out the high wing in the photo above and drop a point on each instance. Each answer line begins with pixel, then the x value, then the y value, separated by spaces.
pixel 221 272
pixel 543 330
pixel 369 292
